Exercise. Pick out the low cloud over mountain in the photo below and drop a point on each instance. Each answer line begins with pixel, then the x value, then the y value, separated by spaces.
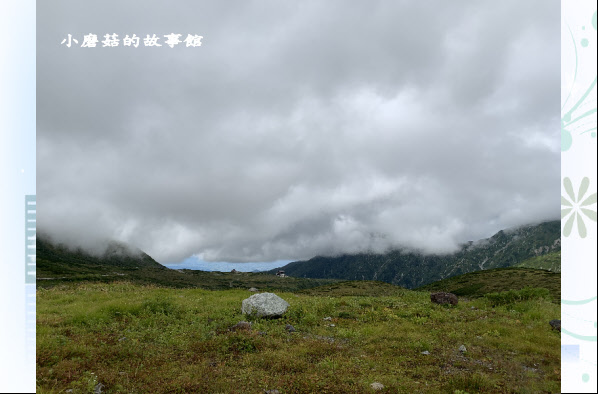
pixel 297 129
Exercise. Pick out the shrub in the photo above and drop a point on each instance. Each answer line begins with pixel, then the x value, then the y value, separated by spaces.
pixel 160 305
pixel 468 290
pixel 237 343
pixel 476 383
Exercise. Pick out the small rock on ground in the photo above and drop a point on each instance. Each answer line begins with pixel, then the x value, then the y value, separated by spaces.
pixel 241 326
pixel 462 349
pixel 555 324
pixel 321 338
pixel 377 386
pixel 444 298
pixel 425 352
pixel 98 388
pixel 290 328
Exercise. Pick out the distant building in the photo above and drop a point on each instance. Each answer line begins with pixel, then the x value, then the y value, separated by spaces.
pixel 281 274
pixel 233 271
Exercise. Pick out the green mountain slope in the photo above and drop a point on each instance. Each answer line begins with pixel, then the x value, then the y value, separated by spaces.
pixel 477 284
pixel 57 264
pixel 550 262
pixel 410 269
pixel 56 260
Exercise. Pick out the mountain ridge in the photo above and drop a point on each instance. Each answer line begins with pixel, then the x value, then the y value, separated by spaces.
pixel 412 269
pixel 58 264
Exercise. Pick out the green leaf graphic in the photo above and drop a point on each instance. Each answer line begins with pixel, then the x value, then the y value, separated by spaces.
pixel 581 227
pixel 589 213
pixel 589 201
pixel 565 202
pixel 569 188
pixel 568 226
pixel 583 188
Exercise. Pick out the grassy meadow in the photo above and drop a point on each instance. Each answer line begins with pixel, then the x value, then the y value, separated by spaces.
pixel 133 338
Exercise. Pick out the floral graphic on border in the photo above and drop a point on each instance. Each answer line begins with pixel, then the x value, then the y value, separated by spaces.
pixel 578 118
pixel 577 208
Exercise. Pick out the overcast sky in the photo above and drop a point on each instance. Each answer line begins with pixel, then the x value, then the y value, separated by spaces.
pixel 297 128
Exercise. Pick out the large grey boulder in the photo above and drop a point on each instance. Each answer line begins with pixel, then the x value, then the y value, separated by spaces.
pixel 264 305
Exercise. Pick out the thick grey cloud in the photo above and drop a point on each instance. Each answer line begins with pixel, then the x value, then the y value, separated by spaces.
pixel 297 128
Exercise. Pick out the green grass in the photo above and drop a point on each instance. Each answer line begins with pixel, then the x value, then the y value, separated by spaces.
pixel 477 284
pixel 138 338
